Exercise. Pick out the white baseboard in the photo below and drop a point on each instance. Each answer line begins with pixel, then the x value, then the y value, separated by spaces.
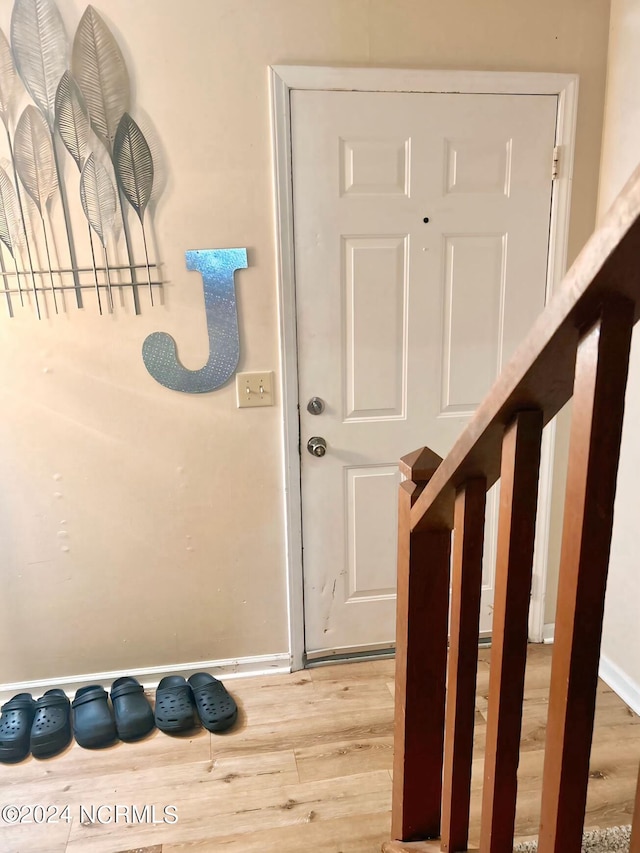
pixel 151 676
pixel 611 674
pixel 620 683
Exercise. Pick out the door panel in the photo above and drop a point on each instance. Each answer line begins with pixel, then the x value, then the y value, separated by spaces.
pixel 375 273
pixel 372 496
pixel 474 275
pixel 421 234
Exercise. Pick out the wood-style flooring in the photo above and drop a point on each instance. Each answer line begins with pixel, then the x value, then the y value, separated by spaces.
pixel 308 768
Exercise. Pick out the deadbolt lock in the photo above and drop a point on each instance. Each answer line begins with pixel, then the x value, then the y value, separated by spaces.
pixel 315 406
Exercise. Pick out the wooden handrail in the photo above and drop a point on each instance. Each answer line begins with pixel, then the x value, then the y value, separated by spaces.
pixel 579 348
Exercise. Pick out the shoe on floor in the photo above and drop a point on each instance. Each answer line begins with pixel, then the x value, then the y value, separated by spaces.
pixel 51 728
pixel 133 714
pixel 93 722
pixel 217 708
pixel 15 727
pixel 175 706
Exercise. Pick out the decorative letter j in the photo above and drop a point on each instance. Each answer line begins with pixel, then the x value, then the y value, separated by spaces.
pixel 159 352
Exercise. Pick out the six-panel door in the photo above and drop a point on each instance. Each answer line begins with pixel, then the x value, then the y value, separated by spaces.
pixel 421 240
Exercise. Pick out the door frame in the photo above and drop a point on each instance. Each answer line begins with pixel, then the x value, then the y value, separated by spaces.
pixel 283 79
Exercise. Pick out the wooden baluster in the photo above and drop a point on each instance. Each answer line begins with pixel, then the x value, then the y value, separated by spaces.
pixel 466 587
pixel 634 847
pixel 596 428
pixel 516 532
pixel 421 656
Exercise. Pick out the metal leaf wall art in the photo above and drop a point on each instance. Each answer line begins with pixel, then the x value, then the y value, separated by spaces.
pixel 100 69
pixel 9 83
pixel 11 233
pixel 40 48
pixel 134 169
pixel 72 119
pixel 11 230
pixel 33 156
pixel 65 101
pixel 100 206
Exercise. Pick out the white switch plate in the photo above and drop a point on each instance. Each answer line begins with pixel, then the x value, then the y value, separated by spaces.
pixel 254 389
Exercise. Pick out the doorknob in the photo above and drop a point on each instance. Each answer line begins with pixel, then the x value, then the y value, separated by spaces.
pixel 315 406
pixel 317 446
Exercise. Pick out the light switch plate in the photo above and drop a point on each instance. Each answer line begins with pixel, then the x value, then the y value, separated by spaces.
pixel 254 389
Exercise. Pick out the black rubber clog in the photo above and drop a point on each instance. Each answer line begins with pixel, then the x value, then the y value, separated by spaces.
pixel 175 706
pixel 93 722
pixel 51 728
pixel 217 708
pixel 134 717
pixel 15 727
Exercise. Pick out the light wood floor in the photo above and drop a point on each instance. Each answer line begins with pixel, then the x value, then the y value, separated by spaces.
pixel 307 769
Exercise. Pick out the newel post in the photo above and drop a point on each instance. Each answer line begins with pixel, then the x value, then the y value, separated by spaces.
pixel 421 659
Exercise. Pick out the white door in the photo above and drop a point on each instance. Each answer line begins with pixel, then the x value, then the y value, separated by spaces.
pixel 421 227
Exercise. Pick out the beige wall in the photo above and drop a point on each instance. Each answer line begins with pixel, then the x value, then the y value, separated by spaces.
pixel 620 156
pixel 171 504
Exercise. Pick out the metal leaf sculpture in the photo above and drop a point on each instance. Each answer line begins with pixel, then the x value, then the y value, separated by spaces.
pixel 98 197
pixel 100 205
pixel 99 67
pixel 33 154
pixel 72 119
pixel 34 157
pixel 11 232
pixel 40 48
pixel 9 89
pixel 73 126
pixel 8 81
pixel 133 165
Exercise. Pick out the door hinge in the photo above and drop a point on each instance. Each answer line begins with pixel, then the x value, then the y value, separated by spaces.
pixel 555 165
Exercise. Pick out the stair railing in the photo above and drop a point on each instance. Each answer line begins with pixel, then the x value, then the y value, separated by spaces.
pixel 578 348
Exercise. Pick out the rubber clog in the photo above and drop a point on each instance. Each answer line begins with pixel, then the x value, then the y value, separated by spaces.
pixel 51 728
pixel 133 714
pixel 216 707
pixel 15 727
pixel 175 707
pixel 93 723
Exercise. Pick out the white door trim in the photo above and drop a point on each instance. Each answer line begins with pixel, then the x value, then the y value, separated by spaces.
pixel 284 78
